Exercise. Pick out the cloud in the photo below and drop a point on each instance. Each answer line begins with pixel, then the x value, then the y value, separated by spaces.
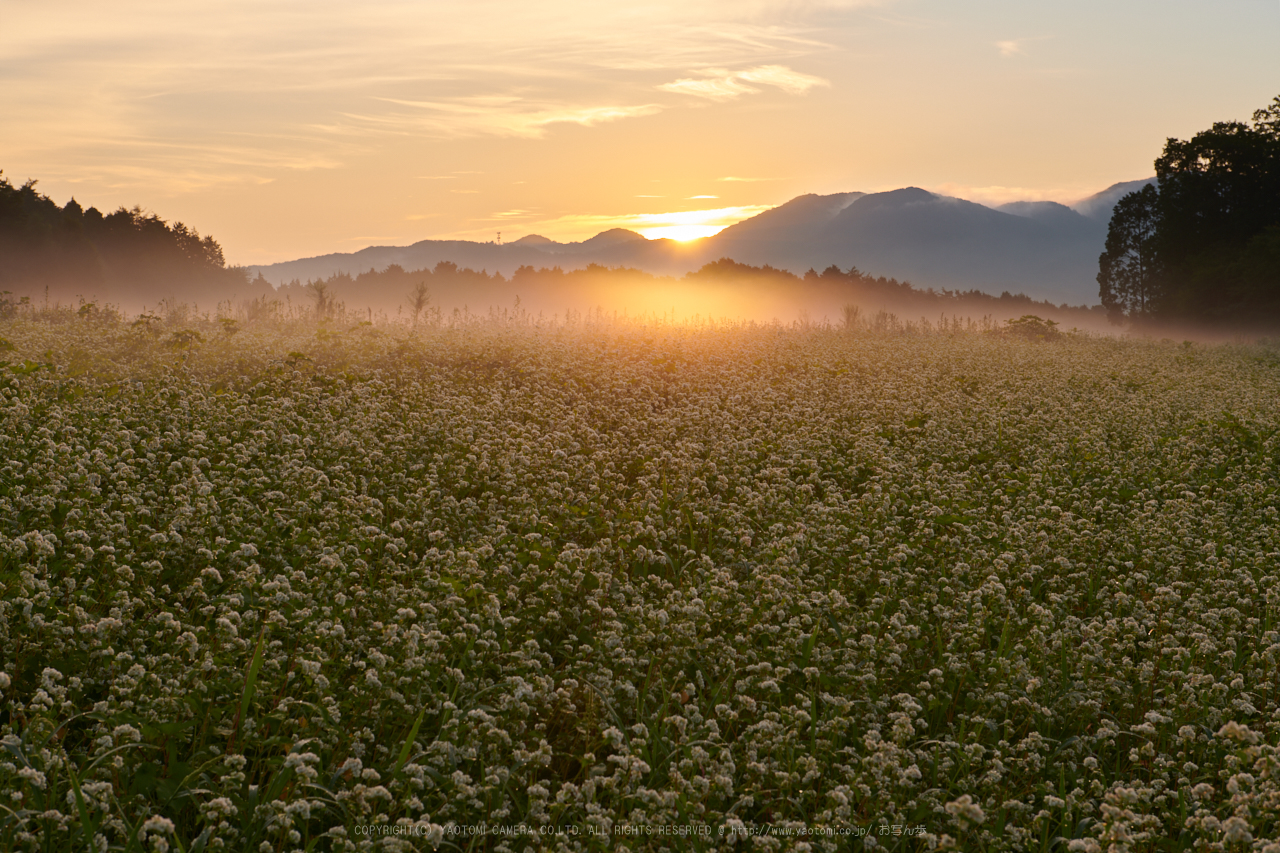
pixel 993 196
pixel 722 88
pixel 1017 47
pixel 131 90
pixel 1010 48
pixel 176 165
pixel 744 180
pixel 719 84
pixel 495 115
pixel 703 196
pixel 791 82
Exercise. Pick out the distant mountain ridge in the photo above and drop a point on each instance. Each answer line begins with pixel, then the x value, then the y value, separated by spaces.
pixel 1044 249
pixel 1099 205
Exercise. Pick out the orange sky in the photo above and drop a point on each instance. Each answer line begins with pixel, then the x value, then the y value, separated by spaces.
pixel 289 129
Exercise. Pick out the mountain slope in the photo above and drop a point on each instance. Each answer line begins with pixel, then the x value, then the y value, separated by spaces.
pixel 1098 206
pixel 1044 249
pixel 939 241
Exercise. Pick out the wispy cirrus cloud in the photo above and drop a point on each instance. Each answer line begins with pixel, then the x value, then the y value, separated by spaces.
pixel 138 100
pixel 497 115
pixel 718 84
pixel 1009 48
pixel 272 87
pixel 993 196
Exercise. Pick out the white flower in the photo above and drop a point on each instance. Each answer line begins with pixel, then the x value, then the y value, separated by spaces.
pixel 1235 829
pixel 966 810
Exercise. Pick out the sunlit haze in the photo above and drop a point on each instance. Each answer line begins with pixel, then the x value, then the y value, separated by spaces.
pixel 288 130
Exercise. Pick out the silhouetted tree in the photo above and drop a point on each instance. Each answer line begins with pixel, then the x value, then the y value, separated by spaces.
pixel 1217 201
pixel 419 299
pixel 322 297
pixel 1127 274
pixel 139 253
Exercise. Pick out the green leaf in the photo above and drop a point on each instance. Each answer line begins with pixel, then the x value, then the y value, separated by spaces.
pixel 408 742
pixel 202 841
pixel 251 678
pixel 87 823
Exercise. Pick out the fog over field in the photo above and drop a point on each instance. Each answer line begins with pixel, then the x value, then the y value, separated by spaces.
pixel 574 427
pixel 1044 249
pixel 507 583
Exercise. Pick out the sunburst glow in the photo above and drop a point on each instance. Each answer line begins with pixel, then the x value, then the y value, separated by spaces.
pixel 677 225
pixel 692 224
pixel 682 232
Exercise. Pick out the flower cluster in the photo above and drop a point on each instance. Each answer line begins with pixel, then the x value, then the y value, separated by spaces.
pixel 273 587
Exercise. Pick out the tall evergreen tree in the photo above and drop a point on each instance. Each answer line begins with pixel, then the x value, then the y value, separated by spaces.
pixel 130 252
pixel 1203 246
pixel 1128 269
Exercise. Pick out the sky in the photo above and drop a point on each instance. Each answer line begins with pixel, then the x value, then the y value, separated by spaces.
pixel 292 129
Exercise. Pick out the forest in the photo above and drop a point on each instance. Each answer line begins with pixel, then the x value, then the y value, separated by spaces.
pixel 1202 245
pixel 129 256
pixel 134 260
pixel 718 289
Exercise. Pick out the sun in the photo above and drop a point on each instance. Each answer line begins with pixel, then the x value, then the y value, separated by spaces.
pixel 681 232
pixel 687 225
pixel 679 225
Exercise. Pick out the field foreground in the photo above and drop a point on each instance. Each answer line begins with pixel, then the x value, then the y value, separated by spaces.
pixel 497 586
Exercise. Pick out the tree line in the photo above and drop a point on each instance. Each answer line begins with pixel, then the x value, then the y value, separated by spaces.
pixel 125 253
pixel 1202 244
pixel 445 286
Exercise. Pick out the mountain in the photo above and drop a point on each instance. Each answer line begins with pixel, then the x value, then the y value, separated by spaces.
pixel 1044 249
pixel 1050 213
pixel 1099 205
pixel 793 222
pixel 534 240
pixel 931 240
pixel 604 240
pixel 616 247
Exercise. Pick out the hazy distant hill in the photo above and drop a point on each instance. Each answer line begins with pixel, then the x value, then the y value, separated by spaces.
pixel 1050 213
pixel 603 241
pixel 610 248
pixel 1044 249
pixel 939 241
pixel 1099 205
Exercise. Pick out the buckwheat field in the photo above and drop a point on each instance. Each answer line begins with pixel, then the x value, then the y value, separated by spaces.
pixel 506 585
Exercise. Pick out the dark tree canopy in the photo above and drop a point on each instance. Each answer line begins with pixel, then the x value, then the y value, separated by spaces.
pixel 1127 272
pixel 129 253
pixel 1210 231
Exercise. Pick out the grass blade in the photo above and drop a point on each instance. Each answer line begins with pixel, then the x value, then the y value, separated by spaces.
pixel 408 742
